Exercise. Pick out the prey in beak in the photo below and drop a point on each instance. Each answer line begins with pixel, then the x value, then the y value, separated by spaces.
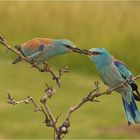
pixel 77 50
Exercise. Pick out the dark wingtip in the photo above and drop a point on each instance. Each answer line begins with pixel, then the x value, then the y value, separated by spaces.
pixel 18 47
pixel 129 123
pixel 136 97
pixel 17 60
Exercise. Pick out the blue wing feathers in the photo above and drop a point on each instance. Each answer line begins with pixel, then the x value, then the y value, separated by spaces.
pixel 41 47
pixel 123 69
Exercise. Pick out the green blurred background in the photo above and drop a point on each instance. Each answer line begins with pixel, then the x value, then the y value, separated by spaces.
pixel 113 25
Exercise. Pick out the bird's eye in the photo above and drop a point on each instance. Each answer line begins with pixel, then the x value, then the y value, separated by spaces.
pixel 95 53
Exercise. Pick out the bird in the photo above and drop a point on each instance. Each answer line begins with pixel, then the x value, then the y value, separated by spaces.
pixel 41 49
pixel 113 72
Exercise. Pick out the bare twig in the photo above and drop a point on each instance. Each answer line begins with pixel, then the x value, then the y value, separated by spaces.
pixel 12 101
pixel 29 99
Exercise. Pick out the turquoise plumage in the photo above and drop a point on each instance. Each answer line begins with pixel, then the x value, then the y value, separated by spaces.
pixel 126 75
pixel 41 49
pixel 112 73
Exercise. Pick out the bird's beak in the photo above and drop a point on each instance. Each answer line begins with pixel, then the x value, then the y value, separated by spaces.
pixel 78 50
pixel 75 49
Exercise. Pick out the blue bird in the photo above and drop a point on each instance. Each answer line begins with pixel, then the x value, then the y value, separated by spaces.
pixel 112 73
pixel 41 49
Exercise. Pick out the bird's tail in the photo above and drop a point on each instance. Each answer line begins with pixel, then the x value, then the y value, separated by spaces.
pixel 17 60
pixel 18 47
pixel 131 111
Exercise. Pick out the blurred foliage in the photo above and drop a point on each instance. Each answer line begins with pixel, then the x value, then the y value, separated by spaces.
pixel 113 25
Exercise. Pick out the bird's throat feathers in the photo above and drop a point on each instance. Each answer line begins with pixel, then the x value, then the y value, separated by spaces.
pixel 102 60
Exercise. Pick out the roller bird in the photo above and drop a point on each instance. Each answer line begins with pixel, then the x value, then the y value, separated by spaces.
pixel 41 49
pixel 113 72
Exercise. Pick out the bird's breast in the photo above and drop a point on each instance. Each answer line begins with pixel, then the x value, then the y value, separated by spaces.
pixel 111 76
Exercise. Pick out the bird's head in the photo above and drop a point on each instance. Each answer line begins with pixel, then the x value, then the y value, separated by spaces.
pixel 66 46
pixel 100 55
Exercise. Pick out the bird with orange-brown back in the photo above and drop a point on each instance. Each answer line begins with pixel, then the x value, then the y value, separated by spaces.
pixel 41 49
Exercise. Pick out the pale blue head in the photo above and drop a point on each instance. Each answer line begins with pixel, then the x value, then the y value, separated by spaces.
pixel 100 56
pixel 64 45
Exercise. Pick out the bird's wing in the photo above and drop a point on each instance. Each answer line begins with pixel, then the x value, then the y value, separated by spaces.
pixel 122 67
pixel 34 46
